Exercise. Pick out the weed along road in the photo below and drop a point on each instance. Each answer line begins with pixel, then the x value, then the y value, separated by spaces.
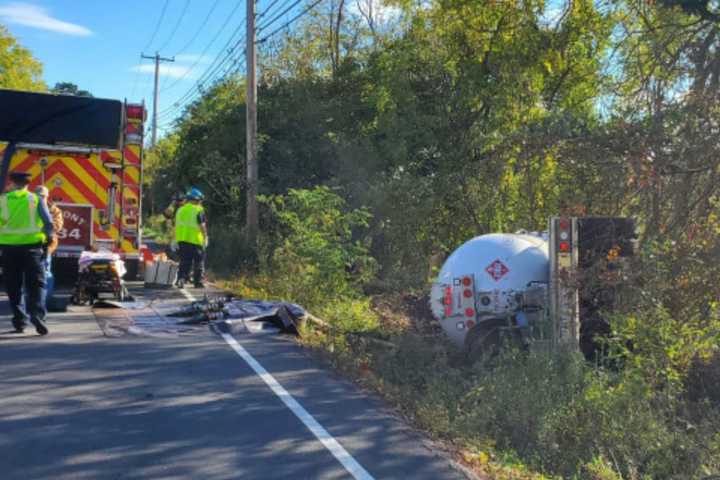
pixel 128 394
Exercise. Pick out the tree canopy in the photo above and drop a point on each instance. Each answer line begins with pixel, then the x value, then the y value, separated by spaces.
pixel 19 70
pixel 69 88
pixel 454 118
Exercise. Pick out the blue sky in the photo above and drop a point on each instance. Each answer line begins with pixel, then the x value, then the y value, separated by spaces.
pixel 96 44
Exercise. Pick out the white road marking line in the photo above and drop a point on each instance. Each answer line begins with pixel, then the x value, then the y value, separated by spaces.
pixel 188 295
pixel 347 461
pixel 342 455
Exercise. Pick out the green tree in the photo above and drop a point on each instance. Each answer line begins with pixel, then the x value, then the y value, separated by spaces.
pixel 69 88
pixel 19 70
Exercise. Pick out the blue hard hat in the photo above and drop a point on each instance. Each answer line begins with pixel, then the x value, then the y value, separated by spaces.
pixel 195 194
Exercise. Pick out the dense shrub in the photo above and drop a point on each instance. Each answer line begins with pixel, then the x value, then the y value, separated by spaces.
pixel 316 254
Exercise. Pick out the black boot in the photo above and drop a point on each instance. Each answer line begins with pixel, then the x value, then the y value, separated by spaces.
pixel 40 328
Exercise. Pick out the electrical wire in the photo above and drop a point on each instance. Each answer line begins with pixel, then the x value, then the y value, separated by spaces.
pixel 210 74
pixel 289 22
pixel 267 9
pixel 207 73
pixel 218 73
pixel 177 25
pixel 157 26
pixel 200 29
pixel 205 78
pixel 166 123
pixel 205 50
pixel 152 38
pixel 209 78
pixel 280 15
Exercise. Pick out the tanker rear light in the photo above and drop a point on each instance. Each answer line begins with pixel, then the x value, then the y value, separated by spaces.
pixel 564 223
pixel 564 247
pixel 466 281
pixel 447 301
pixel 470 312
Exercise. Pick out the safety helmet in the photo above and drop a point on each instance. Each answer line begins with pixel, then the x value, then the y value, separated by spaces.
pixel 195 194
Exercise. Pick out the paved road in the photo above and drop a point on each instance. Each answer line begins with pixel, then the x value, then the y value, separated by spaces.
pixel 79 405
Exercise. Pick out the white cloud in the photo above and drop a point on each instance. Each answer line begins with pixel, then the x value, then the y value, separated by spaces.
pixel 38 17
pixel 173 71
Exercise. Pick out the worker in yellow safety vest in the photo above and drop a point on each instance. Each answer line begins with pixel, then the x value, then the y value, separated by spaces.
pixel 25 230
pixel 192 239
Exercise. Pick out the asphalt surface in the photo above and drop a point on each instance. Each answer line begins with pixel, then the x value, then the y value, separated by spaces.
pixel 79 405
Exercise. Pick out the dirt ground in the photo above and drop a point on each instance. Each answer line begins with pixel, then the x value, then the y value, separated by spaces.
pixel 406 312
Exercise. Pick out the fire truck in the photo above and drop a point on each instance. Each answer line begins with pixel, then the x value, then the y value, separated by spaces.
pixel 89 153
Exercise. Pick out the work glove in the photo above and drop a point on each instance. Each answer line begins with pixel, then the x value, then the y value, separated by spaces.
pixel 173 246
pixel 206 242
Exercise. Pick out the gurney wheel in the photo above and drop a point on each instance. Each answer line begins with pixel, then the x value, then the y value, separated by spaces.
pixel 77 299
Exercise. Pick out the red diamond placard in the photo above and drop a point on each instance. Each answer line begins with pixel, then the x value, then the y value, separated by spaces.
pixel 497 270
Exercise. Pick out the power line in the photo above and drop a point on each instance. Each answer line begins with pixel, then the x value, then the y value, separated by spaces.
pixel 208 78
pixel 218 73
pixel 288 23
pixel 280 15
pixel 157 26
pixel 212 42
pixel 166 120
pixel 210 74
pixel 200 29
pixel 267 9
pixel 205 77
pixel 177 25
pixel 152 37
pixel 212 66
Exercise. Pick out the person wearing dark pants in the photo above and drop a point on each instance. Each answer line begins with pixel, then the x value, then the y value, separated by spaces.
pixel 25 229
pixel 192 239
pixel 192 257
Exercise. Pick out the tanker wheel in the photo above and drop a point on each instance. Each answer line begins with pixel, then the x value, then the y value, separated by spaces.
pixel 484 341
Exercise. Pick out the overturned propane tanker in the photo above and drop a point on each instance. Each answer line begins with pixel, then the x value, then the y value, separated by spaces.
pixel 492 281
pixel 533 287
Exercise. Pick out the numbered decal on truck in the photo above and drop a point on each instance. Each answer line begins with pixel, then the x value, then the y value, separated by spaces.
pixel 77 226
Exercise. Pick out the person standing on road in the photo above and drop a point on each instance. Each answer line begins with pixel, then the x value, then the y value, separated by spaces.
pixel 179 199
pixel 25 229
pixel 56 217
pixel 192 239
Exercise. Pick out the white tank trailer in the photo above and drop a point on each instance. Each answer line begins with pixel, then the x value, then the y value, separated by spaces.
pixel 523 286
pixel 495 279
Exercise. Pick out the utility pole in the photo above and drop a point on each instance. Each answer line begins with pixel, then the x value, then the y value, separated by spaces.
pixel 158 59
pixel 251 129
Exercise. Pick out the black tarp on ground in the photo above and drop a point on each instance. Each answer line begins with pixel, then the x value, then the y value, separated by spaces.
pixel 59 119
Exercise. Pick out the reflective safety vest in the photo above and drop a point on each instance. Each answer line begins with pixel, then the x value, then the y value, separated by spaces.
pixel 20 223
pixel 187 228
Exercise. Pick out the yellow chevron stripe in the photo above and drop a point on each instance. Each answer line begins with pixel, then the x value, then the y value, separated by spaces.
pixel 75 195
pixel 133 173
